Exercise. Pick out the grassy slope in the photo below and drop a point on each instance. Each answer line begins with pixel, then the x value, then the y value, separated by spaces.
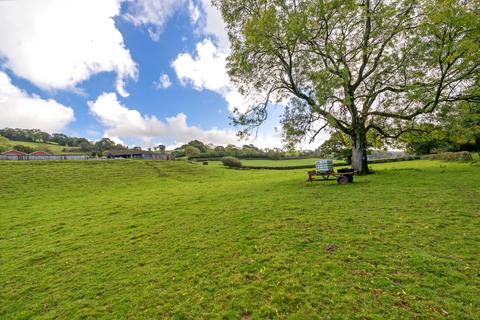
pixel 174 240
pixel 54 148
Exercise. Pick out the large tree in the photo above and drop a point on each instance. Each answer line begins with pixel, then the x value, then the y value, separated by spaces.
pixel 358 66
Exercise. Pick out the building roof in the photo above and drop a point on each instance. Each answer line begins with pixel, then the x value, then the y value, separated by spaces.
pixel 13 153
pixel 39 153
pixel 128 152
pixel 132 152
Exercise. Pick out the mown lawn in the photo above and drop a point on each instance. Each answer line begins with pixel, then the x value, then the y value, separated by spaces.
pixel 134 239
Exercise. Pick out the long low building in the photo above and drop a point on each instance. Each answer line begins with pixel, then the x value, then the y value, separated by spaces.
pixel 139 154
pixel 39 155
pixel 123 154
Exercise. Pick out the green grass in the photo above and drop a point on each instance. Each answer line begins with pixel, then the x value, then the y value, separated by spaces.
pixel 135 239
pixel 54 148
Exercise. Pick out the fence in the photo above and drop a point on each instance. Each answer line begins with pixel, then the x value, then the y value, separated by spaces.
pixel 27 157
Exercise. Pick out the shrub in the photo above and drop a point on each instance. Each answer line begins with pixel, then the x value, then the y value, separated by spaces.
pixel 231 162
pixel 451 156
pixel 22 148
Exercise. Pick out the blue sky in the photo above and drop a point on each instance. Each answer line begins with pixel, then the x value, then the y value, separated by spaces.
pixel 140 72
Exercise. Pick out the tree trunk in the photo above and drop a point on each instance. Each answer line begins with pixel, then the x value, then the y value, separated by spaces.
pixel 359 151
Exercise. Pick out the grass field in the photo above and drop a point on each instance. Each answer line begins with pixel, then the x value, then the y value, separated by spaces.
pixel 54 148
pixel 135 239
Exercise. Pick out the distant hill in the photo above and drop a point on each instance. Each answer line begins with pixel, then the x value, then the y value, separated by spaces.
pixel 6 144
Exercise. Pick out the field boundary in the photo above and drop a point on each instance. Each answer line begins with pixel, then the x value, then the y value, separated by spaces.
pixel 312 166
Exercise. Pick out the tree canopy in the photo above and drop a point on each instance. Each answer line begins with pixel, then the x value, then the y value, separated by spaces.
pixel 454 129
pixel 355 66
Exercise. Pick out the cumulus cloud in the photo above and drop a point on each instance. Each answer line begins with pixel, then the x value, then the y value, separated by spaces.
pixel 206 70
pixel 122 122
pixel 57 44
pixel 21 110
pixel 152 14
pixel 213 24
pixel 163 82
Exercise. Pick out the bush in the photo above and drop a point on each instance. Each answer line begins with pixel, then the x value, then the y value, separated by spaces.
pixel 22 148
pixel 231 162
pixel 451 156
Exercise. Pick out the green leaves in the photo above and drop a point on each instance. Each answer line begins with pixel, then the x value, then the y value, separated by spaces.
pixel 355 65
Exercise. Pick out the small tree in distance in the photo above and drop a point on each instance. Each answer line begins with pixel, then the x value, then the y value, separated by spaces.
pixel 191 152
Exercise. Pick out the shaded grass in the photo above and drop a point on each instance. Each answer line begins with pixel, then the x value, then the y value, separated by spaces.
pixel 134 239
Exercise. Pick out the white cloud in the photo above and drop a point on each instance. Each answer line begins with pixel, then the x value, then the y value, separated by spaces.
pixel 57 44
pixel 194 11
pixel 213 24
pixel 122 123
pixel 152 14
pixel 204 71
pixel 207 71
pixel 163 82
pixel 20 110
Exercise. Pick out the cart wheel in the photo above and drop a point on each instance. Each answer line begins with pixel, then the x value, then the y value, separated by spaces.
pixel 342 180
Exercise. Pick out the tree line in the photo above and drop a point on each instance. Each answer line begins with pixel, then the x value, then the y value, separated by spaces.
pixel 198 149
pixel 71 144
pixel 192 149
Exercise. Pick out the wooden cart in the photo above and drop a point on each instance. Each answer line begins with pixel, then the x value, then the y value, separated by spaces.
pixel 341 177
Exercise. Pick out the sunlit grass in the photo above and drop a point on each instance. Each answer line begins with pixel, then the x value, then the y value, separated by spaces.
pixel 135 239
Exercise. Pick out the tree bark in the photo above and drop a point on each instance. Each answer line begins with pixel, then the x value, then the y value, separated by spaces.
pixel 359 151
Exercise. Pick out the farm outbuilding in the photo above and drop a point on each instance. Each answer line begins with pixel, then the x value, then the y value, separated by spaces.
pixel 164 156
pixel 40 154
pixel 13 155
pixel 139 154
